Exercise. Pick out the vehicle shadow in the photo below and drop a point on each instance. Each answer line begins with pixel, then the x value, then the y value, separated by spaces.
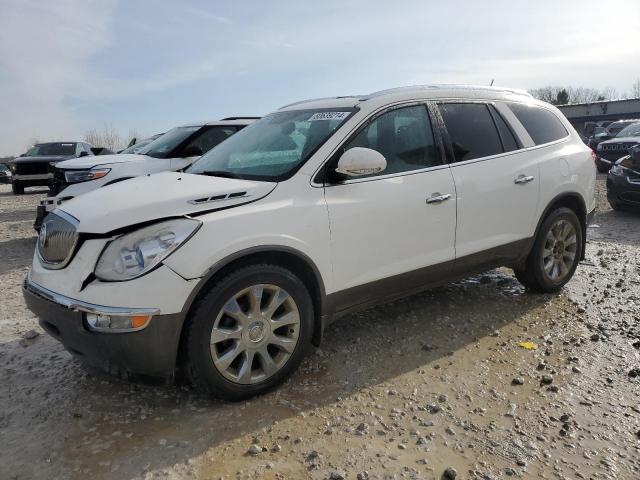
pixel 95 417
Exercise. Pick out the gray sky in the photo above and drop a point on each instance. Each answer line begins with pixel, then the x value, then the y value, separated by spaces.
pixel 67 66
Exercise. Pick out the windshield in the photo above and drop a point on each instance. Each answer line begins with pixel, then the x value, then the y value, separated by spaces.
pixel 274 147
pixel 632 130
pixel 137 147
pixel 164 144
pixel 52 149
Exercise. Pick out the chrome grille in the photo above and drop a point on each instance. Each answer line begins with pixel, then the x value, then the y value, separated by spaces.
pixel 57 240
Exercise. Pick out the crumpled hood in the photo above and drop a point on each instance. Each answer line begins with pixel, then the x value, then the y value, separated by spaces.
pixel 162 195
pixel 41 159
pixel 94 161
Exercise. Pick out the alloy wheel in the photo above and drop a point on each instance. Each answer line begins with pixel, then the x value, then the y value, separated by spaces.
pixel 560 250
pixel 255 333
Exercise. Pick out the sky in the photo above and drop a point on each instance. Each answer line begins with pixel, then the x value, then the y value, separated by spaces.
pixel 68 66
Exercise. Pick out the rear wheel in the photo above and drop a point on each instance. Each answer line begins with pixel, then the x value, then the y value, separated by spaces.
pixel 17 188
pixel 249 332
pixel 555 254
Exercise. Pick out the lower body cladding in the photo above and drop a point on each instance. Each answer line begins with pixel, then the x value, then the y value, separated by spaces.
pixel 148 351
pixel 623 191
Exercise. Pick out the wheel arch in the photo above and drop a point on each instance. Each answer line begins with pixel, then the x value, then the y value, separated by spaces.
pixel 287 257
pixel 572 200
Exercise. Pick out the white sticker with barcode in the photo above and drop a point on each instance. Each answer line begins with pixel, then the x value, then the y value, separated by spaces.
pixel 328 116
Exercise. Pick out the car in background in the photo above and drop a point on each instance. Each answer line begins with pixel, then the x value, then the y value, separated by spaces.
pixel 5 174
pixel 610 151
pixel 139 145
pixel 33 167
pixel 174 150
pixel 623 182
pixel 605 132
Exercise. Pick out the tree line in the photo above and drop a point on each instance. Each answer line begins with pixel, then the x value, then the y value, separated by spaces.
pixel 571 95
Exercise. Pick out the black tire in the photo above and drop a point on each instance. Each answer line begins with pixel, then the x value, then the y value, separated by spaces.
pixel 615 205
pixel 532 274
pixel 17 188
pixel 200 368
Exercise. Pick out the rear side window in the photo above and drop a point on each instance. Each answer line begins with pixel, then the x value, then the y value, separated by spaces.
pixel 471 129
pixel 543 126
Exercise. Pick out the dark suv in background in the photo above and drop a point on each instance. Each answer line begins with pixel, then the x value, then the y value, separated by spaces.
pixel 610 151
pixel 33 167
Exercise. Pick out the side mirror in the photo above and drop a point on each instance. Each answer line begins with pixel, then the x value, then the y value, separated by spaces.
pixel 192 151
pixel 83 154
pixel 359 161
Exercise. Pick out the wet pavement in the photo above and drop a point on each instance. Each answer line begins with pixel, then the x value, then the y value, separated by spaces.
pixel 433 386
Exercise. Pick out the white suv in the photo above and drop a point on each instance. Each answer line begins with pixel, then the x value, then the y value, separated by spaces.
pixel 173 150
pixel 233 268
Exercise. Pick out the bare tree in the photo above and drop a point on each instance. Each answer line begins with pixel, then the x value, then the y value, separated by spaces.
pixel 108 137
pixel 635 89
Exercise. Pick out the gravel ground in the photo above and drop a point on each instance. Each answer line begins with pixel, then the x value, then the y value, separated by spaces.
pixel 432 386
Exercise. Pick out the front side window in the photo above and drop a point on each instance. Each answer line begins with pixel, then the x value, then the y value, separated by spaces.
pixel 471 129
pixel 404 137
pixel 274 147
pixel 165 144
pixel 541 124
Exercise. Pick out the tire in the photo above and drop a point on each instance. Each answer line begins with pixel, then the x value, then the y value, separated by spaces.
pixel 17 188
pixel 253 332
pixel 615 205
pixel 533 275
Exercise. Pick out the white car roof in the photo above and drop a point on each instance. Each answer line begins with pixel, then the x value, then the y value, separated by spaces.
pixel 393 95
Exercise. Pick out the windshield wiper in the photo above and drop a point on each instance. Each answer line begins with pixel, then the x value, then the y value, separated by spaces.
pixel 220 173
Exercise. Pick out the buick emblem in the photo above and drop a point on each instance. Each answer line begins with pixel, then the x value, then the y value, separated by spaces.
pixel 42 236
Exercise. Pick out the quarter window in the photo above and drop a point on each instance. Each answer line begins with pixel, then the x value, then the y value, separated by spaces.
pixel 509 142
pixel 404 136
pixel 543 126
pixel 471 130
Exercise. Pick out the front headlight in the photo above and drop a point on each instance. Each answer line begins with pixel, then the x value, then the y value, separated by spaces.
pixel 136 253
pixel 75 176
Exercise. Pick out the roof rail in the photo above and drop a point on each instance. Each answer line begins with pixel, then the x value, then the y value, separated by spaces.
pixel 445 86
pixel 240 118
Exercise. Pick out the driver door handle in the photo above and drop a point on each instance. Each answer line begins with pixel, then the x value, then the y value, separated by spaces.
pixel 438 197
pixel 523 179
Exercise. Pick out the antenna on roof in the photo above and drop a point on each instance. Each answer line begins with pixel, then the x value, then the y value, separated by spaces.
pixel 491 84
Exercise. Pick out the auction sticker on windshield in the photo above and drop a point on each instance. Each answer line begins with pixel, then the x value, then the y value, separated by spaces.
pixel 328 116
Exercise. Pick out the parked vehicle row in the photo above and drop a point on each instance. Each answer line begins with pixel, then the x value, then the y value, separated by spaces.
pixel 173 150
pixel 616 138
pixel 230 269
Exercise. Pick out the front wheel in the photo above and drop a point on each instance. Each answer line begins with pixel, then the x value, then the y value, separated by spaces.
pixel 249 333
pixel 555 254
pixel 17 188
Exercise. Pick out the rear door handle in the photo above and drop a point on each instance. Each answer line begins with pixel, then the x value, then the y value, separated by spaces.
pixel 523 179
pixel 438 197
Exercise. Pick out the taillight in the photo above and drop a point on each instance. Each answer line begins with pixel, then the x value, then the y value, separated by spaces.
pixel 594 156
